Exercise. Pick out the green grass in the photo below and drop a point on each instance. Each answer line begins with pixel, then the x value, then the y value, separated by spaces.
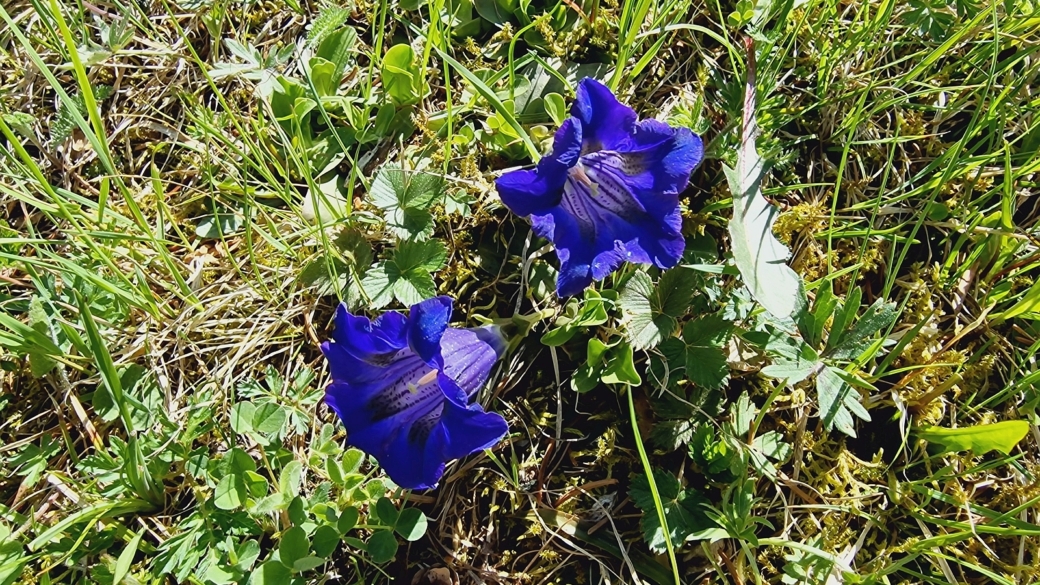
pixel 180 217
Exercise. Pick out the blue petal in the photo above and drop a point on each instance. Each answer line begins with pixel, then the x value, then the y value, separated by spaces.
pixel 609 217
pixel 525 192
pixel 467 356
pixel 389 416
pixel 427 322
pixel 365 339
pixel 605 122
pixel 464 431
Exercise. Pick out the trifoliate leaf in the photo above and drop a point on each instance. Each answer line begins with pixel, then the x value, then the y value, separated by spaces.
pixel 405 198
pixel 651 312
pixel 406 276
pixel 838 401
pixel 682 510
pixel 705 339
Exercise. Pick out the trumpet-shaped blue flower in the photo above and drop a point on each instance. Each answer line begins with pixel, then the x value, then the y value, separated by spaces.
pixel 609 191
pixel 402 387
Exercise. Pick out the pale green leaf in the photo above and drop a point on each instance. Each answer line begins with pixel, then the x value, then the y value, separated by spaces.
pixel 979 439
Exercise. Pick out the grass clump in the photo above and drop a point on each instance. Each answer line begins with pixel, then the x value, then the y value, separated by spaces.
pixel 187 191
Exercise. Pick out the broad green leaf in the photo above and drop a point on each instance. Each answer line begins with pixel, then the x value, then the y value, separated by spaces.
pixel 400 75
pixel 230 492
pixel 555 107
pixel 256 484
pixel 307 563
pixel 348 519
pixel 494 11
pixel 336 48
pixel 620 368
pixel 352 460
pixel 326 539
pixel 290 478
pixel 242 417
pixel 759 256
pixel 386 511
pixel 651 312
pixel 382 546
pixel 293 546
pixel 587 376
pixel 40 362
pixel 269 419
pixel 838 401
pixel 411 524
pixel 271 573
pixel 682 508
pixel 979 439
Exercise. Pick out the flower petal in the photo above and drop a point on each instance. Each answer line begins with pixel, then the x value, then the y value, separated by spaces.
pixel 369 340
pixel 427 322
pixel 464 431
pixel 602 221
pixel 467 356
pixel 605 122
pixel 390 417
pixel 525 191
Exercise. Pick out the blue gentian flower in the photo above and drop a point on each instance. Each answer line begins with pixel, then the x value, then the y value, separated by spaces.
pixel 609 191
pixel 402 387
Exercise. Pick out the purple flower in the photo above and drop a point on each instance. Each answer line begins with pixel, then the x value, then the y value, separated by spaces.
pixel 609 192
pixel 402 387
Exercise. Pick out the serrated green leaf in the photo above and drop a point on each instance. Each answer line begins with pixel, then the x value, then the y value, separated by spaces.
pixel 838 401
pixel 979 439
pixel 428 255
pixel 705 340
pixel 406 275
pixel 851 344
pixel 793 359
pixel 683 511
pixel 651 312
pixel 405 198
